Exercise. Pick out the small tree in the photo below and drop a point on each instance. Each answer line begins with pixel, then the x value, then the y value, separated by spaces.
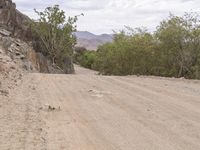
pixel 179 42
pixel 56 34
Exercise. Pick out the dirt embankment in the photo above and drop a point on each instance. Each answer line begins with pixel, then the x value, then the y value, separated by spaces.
pixel 90 112
pixel 10 73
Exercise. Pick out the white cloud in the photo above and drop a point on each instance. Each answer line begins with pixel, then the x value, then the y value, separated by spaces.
pixel 105 15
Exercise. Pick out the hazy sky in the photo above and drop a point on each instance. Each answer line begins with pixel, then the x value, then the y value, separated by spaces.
pixel 102 16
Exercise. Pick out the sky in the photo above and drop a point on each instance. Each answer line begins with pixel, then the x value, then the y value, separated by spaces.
pixel 104 16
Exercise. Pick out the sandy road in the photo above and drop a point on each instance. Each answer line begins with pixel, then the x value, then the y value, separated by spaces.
pixel 101 113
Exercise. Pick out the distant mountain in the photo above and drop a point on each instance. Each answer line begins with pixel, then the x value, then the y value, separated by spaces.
pixel 91 41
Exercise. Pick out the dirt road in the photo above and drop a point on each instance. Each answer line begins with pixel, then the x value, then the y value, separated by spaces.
pixel 90 112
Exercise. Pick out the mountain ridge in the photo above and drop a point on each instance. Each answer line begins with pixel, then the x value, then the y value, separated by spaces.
pixel 90 40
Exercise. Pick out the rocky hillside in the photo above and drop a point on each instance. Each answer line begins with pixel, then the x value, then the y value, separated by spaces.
pixel 17 55
pixel 16 58
pixel 91 41
pixel 15 25
pixel 12 63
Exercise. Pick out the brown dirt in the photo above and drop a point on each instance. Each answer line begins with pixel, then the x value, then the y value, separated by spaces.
pixel 90 112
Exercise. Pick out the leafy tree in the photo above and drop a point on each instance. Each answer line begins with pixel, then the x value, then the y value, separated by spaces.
pixel 55 34
pixel 128 54
pixel 178 41
pixel 78 54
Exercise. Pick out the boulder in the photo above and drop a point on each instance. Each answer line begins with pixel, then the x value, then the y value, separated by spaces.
pixel 38 61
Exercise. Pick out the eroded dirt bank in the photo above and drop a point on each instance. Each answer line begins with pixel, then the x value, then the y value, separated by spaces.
pixel 90 112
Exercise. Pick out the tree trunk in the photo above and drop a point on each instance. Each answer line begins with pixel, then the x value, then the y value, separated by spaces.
pixel 180 71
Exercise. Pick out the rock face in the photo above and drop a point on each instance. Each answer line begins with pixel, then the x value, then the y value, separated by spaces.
pixel 14 21
pixel 26 58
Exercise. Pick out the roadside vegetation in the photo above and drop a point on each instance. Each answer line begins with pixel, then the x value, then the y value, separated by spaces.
pixel 173 50
pixel 54 36
pixel 84 57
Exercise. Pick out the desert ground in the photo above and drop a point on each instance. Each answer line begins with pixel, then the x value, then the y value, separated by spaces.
pixel 87 111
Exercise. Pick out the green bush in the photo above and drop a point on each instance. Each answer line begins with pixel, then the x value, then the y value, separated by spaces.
pixel 172 51
pixel 85 58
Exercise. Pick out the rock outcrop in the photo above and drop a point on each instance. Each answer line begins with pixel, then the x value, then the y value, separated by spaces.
pixel 10 70
pixel 14 21
pixel 25 56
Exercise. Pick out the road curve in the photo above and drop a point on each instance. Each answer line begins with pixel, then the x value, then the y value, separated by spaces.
pixel 86 111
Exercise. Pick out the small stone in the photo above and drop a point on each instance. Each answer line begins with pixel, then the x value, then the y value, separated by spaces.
pixel 4 92
pixel 12 67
